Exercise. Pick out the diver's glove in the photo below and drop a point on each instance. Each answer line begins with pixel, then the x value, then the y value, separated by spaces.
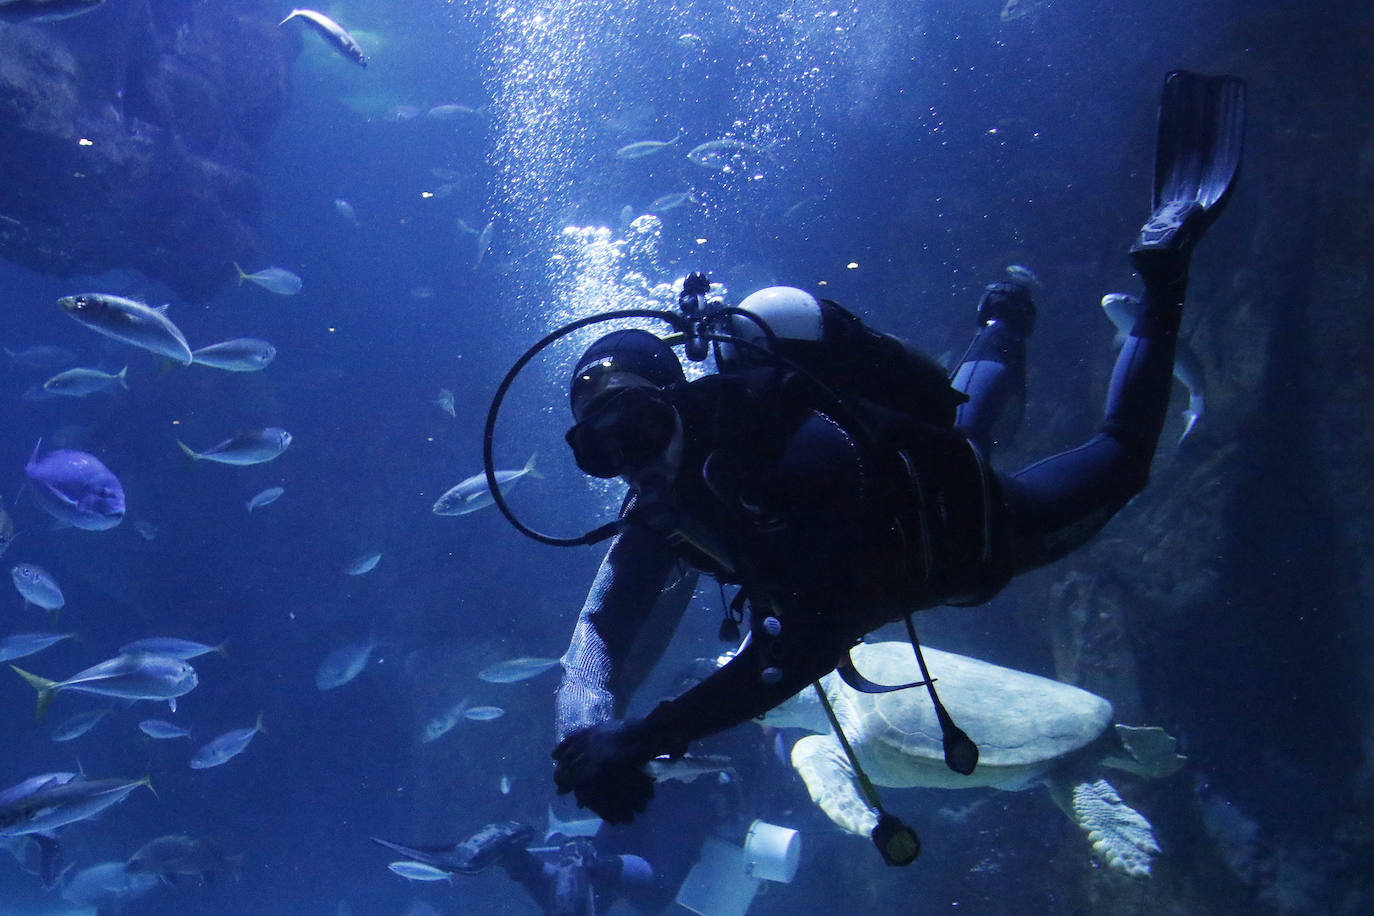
pixel 603 766
pixel 1009 303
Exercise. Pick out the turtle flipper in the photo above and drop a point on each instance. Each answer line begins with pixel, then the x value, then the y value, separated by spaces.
pixel 1119 834
pixel 1150 752
pixel 829 778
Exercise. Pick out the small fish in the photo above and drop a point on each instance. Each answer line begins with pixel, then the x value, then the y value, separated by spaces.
pixel 587 826
pixel 58 803
pixel 242 354
pixel 721 155
pixel 253 447
pixel 484 713
pixel 1123 310
pixel 689 767
pixel 451 111
pixel 77 725
pixel 484 241
pixel 504 785
pixel 671 201
pixel 277 280
pixel 443 723
pixel 419 871
pixel 16 11
pixel 107 885
pixel 515 669
pixel 333 33
pixel 40 356
pixel 146 529
pixel 157 728
pixel 265 498
pixel 225 747
pixel 129 321
pixel 178 859
pixel 473 493
pixel 1020 273
pixel 76 489
pixel 136 676
pixel 363 565
pixel 1016 9
pixel 344 664
pixel 37 586
pixel 183 649
pixel 445 402
pixel 19 645
pixel 646 148
pixel 6 530
pixel 345 209
pixel 77 383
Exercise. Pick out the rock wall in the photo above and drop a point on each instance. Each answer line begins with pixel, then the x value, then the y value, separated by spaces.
pixel 127 138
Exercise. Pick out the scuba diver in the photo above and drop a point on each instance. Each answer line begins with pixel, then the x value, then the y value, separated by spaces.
pixel 841 479
pixel 566 885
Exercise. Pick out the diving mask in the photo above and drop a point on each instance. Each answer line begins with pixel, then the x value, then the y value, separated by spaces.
pixel 623 428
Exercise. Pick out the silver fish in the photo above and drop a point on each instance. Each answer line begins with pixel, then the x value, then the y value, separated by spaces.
pixel 76 489
pixel 690 767
pixel 473 493
pixel 161 730
pixel 671 201
pixel 129 321
pixel 277 280
pixel 587 826
pixel 7 531
pixel 265 498
pixel 225 747
pixel 345 209
pixel 16 11
pixel 40 356
pixel 136 676
pixel 19 645
pixel 443 723
pixel 75 726
pixel 646 148
pixel 484 713
pixel 333 33
pixel 77 383
pixel 515 669
pixel 1016 9
pixel 242 354
pixel 363 565
pixel 183 649
pixel 721 155
pixel 253 447
pixel 57 805
pixel 343 664
pixel 177 859
pixel 1123 310
pixel 37 586
pixel 419 871
pixel 445 402
pixel 107 885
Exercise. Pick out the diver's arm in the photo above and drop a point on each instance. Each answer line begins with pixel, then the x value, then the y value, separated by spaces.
pixel 737 692
pixel 609 629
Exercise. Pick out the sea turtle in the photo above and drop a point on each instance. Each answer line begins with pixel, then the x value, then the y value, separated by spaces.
pixel 1030 730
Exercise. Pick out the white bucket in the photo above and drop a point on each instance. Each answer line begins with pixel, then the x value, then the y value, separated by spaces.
pixel 771 853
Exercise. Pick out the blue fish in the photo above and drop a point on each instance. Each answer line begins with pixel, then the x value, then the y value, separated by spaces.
pixel 76 489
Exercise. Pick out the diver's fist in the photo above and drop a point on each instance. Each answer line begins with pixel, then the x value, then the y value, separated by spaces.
pixel 603 766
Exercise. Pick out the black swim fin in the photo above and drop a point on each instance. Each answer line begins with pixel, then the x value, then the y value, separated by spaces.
pixel 1197 157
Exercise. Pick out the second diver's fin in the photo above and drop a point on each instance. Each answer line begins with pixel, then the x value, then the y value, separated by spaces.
pixel 1197 156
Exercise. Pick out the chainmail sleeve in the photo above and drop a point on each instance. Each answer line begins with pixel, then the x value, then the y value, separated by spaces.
pixel 618 634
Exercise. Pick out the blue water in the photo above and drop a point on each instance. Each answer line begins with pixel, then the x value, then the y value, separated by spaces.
pixel 906 152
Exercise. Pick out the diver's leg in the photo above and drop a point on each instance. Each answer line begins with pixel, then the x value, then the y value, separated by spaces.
pixel 993 370
pixel 1056 505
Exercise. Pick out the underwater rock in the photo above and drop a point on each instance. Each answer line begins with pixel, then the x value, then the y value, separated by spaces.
pixel 127 138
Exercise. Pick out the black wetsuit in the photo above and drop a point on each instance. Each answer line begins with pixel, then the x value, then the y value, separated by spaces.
pixel 833 531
